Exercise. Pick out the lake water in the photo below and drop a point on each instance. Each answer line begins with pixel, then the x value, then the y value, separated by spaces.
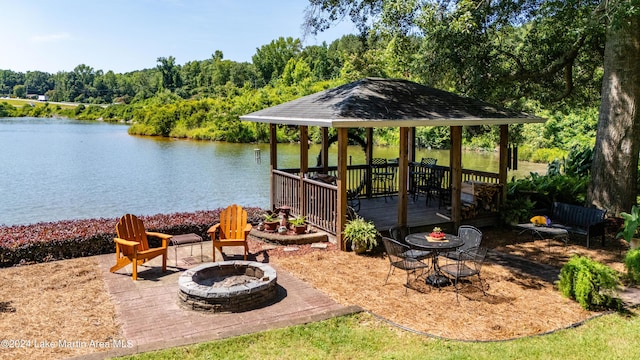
pixel 56 169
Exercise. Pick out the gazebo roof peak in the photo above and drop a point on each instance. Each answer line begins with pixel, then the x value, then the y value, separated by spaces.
pixel 379 102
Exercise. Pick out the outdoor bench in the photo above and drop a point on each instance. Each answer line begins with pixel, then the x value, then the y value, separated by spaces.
pixel 578 220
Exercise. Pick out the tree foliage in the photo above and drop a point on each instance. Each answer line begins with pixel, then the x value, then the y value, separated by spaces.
pixel 546 57
pixel 559 53
pixel 270 60
pixel 500 51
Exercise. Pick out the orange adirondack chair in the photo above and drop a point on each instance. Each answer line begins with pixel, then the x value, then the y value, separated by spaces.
pixel 132 246
pixel 232 230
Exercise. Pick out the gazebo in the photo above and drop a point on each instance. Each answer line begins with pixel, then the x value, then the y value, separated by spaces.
pixel 370 103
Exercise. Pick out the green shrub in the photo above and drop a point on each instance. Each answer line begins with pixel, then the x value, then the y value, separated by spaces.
pixel 547 155
pixel 361 233
pixel 516 210
pixel 590 283
pixel 550 188
pixel 631 227
pixel 632 264
pixel 577 164
pixel 525 152
pixel 141 129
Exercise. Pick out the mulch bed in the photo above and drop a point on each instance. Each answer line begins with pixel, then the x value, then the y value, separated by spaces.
pixel 521 299
pixel 64 301
pixel 67 300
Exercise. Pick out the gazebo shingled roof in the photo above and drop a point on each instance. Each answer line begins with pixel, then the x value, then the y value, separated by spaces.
pixel 375 102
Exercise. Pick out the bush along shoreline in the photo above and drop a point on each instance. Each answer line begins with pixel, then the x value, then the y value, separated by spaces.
pixel 67 239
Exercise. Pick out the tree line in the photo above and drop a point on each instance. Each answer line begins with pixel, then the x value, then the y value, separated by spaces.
pixel 284 59
pixel 548 58
pixel 203 99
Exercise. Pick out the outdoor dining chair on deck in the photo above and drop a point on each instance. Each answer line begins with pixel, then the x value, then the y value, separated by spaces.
pixel 469 264
pixel 381 177
pixel 430 184
pixel 397 254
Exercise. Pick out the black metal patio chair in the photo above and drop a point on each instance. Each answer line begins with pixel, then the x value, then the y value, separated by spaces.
pixel 431 184
pixel 471 236
pixel 469 264
pixel 399 233
pixel 381 177
pixel 397 254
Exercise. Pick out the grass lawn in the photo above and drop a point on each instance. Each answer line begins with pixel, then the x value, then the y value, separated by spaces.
pixel 22 102
pixel 362 336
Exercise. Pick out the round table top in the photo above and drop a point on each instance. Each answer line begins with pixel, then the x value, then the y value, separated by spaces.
pixel 420 240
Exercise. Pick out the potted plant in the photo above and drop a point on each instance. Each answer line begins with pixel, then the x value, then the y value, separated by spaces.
pixel 631 227
pixel 298 224
pixel 270 221
pixel 362 234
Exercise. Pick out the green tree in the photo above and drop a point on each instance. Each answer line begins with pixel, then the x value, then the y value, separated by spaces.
pixel 20 91
pixel 9 79
pixel 618 134
pixel 170 73
pixel 550 51
pixel 320 62
pixel 243 73
pixel 83 78
pixel 38 82
pixel 271 59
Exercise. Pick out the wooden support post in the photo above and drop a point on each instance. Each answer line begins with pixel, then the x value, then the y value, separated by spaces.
pixel 304 167
pixel 325 150
pixel 342 186
pixel 412 144
pixel 369 152
pixel 403 169
pixel 502 171
pixel 368 157
pixel 273 163
pixel 456 175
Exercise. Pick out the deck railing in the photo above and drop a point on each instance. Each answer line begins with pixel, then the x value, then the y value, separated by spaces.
pixel 321 204
pixel 320 198
pixel 286 191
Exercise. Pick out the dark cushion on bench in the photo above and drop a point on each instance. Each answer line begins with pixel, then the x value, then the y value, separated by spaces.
pixel 578 219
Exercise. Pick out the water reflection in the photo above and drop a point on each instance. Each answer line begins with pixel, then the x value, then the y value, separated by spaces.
pixel 55 169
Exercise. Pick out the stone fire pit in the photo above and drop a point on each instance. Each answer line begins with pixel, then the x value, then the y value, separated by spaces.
pixel 228 286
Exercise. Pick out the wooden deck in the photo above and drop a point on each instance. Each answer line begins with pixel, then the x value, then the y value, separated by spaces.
pixel 384 213
pixel 420 217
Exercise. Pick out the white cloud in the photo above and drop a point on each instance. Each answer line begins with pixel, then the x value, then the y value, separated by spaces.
pixel 50 37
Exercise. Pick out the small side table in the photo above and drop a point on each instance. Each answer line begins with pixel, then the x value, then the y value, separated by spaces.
pixel 544 232
pixel 185 239
pixel 421 241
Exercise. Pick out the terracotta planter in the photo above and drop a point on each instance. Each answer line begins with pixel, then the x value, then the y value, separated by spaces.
pixel 271 225
pixel 358 249
pixel 300 229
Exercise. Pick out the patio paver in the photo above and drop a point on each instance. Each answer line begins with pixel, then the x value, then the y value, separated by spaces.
pixel 152 318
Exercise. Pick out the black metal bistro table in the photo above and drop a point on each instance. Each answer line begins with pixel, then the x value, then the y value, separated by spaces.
pixel 422 242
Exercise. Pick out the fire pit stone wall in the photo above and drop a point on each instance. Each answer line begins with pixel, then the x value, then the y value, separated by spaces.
pixel 228 286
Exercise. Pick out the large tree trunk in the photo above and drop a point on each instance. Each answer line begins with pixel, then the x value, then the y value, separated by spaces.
pixel 615 161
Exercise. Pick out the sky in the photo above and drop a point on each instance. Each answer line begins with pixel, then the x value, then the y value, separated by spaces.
pixel 128 35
